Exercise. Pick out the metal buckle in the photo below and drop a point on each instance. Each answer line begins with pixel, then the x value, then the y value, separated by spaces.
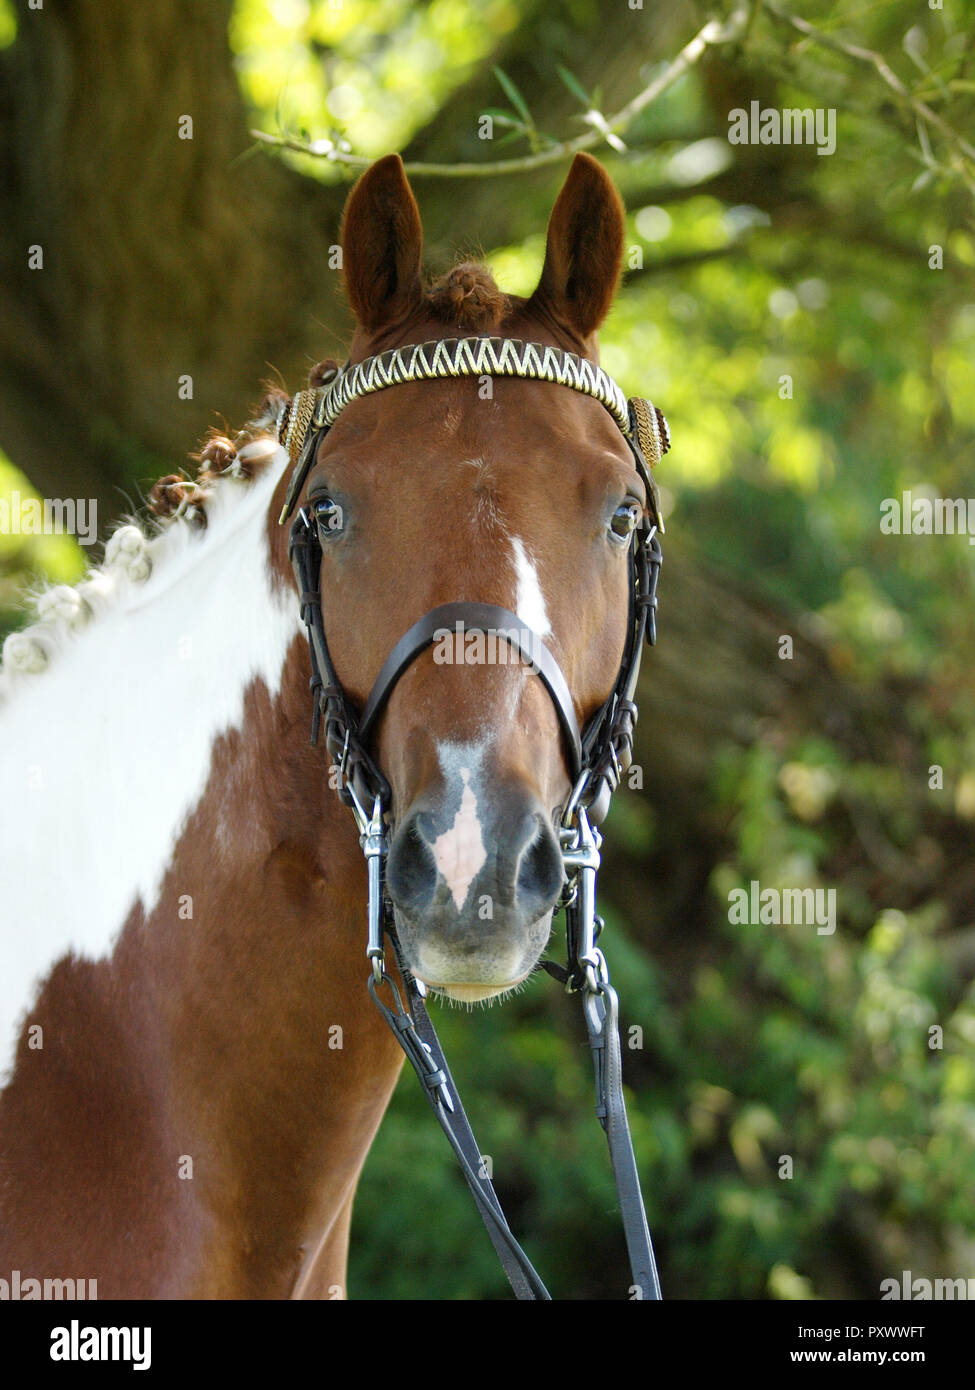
pixel 433 1077
pixel 574 796
pixel 348 786
pixel 615 760
pixel 600 1002
pixel 374 847
pixel 580 853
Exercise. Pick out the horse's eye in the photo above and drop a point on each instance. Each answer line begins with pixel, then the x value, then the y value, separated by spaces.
pixel 625 520
pixel 328 515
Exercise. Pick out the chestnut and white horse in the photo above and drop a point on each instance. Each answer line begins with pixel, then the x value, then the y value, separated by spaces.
pixel 193 1072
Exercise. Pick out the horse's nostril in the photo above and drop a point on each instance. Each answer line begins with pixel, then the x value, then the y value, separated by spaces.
pixel 519 869
pixel 411 873
pixel 540 873
pixel 422 829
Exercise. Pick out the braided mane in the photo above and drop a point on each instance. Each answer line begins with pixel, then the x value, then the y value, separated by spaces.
pixel 177 509
pixel 468 296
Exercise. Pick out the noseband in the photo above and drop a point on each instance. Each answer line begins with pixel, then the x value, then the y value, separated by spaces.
pixel 597 756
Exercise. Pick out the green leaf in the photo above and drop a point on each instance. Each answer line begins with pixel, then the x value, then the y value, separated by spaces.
pixel 514 96
pixel 573 84
pixel 505 118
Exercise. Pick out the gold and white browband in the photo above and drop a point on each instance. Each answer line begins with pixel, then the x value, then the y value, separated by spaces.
pixel 318 408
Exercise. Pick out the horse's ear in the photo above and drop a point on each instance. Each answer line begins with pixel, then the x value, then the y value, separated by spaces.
pixel 382 241
pixel 584 249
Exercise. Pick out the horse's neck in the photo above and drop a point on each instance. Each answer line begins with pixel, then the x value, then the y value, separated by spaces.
pixel 278 1066
pixel 173 825
pixel 108 751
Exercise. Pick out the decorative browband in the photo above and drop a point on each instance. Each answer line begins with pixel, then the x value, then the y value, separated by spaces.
pixel 318 408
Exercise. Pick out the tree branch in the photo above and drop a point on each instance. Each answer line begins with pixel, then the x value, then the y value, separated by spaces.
pixel 712 35
pixel 876 60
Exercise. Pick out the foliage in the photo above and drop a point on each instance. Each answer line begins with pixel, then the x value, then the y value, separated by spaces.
pixel 785 311
pixel 59 558
pixel 781 1041
pixel 378 67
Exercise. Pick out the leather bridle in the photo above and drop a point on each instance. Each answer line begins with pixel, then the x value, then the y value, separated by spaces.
pixel 597 756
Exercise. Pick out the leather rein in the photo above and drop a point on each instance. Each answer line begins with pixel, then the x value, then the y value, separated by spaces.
pixel 598 755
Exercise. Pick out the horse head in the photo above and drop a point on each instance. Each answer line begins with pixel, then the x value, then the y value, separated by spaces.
pixel 514 493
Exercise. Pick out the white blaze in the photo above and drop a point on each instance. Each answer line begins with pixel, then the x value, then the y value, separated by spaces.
pixel 530 602
pixel 459 853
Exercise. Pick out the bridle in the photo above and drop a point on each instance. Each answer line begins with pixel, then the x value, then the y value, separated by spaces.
pixel 598 755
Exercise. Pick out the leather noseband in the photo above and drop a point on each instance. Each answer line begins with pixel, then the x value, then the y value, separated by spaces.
pixel 455 619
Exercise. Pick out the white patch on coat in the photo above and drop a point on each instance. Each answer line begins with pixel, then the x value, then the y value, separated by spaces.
pixel 530 601
pixel 104 755
pixel 460 853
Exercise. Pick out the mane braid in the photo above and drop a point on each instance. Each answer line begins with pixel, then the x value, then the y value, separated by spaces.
pixel 177 507
pixel 468 296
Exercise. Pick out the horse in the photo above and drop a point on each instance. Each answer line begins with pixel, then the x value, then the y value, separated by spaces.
pixel 194 1073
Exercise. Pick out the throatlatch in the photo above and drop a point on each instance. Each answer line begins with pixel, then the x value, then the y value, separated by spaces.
pixel 597 757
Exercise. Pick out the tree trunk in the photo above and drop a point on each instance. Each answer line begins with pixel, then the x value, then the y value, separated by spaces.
pixel 162 257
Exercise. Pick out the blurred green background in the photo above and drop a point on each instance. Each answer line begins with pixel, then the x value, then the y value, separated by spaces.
pixel 814 352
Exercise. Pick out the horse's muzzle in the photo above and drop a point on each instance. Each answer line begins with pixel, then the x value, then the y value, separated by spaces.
pixel 474 885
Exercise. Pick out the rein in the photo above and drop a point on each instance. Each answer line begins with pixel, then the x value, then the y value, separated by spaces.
pixel 598 755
